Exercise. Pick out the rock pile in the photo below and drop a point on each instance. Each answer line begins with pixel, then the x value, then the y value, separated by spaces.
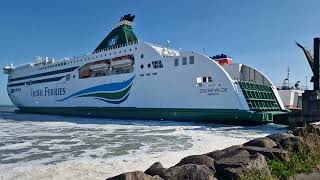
pixel 233 162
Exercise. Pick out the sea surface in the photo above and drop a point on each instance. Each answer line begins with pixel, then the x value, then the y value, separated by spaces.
pixel 36 146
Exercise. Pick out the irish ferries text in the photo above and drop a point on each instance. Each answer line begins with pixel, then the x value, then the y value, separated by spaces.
pixel 48 92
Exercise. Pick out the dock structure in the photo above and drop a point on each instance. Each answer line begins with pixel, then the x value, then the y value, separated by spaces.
pixel 310 98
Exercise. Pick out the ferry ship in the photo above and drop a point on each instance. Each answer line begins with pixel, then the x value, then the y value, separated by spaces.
pixel 124 78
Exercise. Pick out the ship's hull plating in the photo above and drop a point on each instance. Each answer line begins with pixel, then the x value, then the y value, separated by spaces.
pixel 196 115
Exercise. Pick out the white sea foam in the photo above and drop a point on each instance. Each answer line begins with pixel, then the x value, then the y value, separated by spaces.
pixel 96 149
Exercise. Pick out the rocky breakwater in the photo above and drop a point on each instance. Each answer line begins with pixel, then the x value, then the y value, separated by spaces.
pixel 271 157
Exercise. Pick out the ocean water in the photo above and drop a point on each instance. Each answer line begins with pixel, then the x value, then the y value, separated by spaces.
pixel 55 147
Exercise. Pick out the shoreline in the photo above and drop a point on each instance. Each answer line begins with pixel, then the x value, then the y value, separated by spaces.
pixel 252 159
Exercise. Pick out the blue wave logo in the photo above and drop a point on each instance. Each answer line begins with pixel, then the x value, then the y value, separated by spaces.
pixel 114 93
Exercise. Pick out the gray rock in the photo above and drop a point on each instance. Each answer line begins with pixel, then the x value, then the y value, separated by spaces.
pixel 312 140
pixel 199 160
pixel 270 153
pixel 293 143
pixel 218 154
pixel 277 138
pixel 234 166
pixel 261 142
pixel 311 176
pixel 300 131
pixel 136 175
pixel 189 172
pixel 156 169
pixel 314 128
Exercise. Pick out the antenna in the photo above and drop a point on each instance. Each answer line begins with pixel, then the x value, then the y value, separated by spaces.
pixel 288 75
pixel 168 43
pixel 306 82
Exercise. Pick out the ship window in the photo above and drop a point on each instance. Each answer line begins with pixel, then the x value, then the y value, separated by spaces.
pixel 157 64
pixel 176 62
pixel 142 56
pixel 191 60
pixel 135 48
pixel 184 61
pixel 204 79
pixel 141 75
pixel 130 49
pixel 68 77
pixel 149 65
pixel 125 50
pixel 154 73
pixel 148 74
pixel 141 66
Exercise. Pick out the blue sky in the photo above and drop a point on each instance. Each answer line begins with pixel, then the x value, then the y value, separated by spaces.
pixel 260 33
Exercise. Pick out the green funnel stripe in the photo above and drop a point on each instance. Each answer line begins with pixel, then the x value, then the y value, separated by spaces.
pixel 110 96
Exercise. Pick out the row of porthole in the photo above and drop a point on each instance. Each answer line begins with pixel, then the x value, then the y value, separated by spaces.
pixel 148 74
pixel 142 66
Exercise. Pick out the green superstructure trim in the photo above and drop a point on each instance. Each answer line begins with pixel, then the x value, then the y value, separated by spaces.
pixel 122 35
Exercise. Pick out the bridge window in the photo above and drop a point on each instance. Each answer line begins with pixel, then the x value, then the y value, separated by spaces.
pixel 191 60
pixel 184 61
pixel 176 62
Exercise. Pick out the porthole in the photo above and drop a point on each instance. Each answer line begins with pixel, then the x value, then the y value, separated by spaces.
pixel 141 66
pixel 125 51
pixel 142 56
pixel 135 48
pixel 149 65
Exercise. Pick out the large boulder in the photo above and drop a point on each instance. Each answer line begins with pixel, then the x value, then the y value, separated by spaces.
pixel 156 169
pixel 270 153
pixel 292 143
pixel 314 128
pixel 277 138
pixel 189 172
pixel 311 176
pixel 300 131
pixel 312 140
pixel 136 175
pixel 199 160
pixel 218 154
pixel 237 164
pixel 261 142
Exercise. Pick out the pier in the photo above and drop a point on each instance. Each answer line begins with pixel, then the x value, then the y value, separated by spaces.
pixel 310 98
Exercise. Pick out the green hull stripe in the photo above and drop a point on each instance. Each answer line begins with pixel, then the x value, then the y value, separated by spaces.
pixel 207 115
